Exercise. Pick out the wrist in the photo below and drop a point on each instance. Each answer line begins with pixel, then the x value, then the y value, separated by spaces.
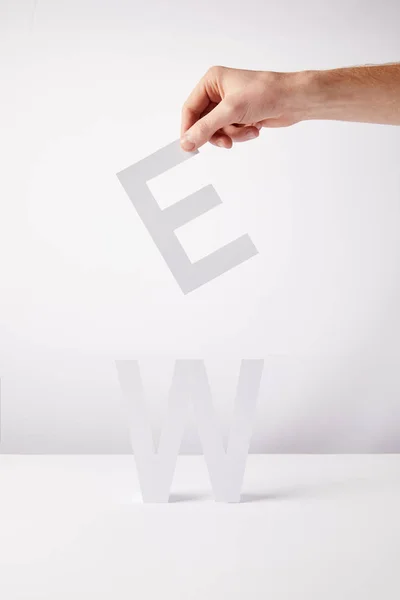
pixel 337 94
pixel 307 94
pixel 368 94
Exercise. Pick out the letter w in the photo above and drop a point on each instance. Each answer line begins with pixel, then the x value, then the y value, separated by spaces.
pixel 190 385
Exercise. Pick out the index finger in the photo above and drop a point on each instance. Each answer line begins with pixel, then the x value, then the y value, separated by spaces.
pixel 195 105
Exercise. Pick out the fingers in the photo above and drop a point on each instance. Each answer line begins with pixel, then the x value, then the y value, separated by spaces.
pixel 203 129
pixel 206 92
pixel 196 104
pixel 204 97
pixel 221 140
pixel 208 116
pixel 242 133
pixel 225 137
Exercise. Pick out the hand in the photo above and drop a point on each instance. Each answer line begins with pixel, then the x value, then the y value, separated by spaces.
pixel 232 105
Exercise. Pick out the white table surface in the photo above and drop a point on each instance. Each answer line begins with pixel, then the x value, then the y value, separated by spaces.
pixel 323 527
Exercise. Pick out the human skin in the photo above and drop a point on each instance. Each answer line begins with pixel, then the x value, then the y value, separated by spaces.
pixel 233 105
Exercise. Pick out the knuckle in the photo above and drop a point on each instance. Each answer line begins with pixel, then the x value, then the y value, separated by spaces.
pixel 215 70
pixel 187 104
pixel 202 128
pixel 188 110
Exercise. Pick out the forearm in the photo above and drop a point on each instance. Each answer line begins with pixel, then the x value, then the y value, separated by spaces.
pixel 233 105
pixel 369 94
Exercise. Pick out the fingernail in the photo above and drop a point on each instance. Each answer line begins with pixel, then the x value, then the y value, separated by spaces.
pixel 220 143
pixel 250 135
pixel 187 143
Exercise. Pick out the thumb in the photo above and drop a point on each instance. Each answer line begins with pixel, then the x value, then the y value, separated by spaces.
pixel 203 130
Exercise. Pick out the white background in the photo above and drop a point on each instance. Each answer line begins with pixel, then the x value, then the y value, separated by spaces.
pixel 89 88
pixel 307 527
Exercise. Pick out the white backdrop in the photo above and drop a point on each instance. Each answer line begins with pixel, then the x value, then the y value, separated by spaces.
pixel 88 88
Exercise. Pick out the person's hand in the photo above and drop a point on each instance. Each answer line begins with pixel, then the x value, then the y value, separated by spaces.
pixel 231 105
